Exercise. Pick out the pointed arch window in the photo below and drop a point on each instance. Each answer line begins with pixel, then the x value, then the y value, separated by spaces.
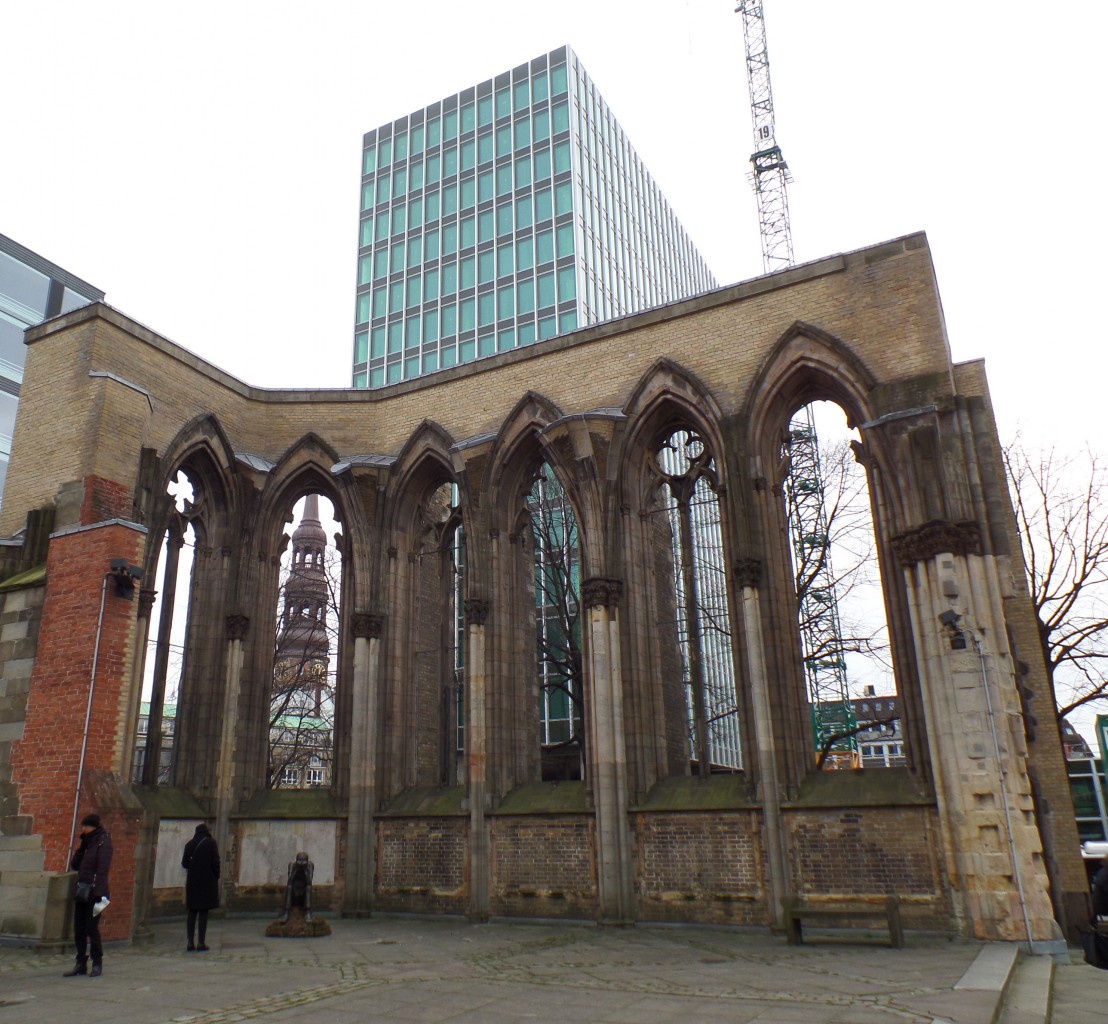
pixel 557 581
pixel 302 703
pixel 687 490
pixel 856 715
pixel 155 749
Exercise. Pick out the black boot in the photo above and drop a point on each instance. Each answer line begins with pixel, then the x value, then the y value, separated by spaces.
pixel 97 969
pixel 79 968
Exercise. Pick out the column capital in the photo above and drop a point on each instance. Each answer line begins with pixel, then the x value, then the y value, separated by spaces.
pixel 237 627
pixel 477 610
pixel 601 592
pixel 367 625
pixel 747 572
pixel 147 596
pixel 935 538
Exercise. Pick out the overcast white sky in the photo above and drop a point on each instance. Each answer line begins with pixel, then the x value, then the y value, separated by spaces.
pixel 200 162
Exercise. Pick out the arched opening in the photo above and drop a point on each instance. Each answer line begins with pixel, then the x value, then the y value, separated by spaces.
pixel 302 700
pixel 153 761
pixel 687 500
pixel 856 715
pixel 557 564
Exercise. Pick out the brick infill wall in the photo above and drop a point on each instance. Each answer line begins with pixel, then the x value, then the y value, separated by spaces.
pixel 702 866
pixel 543 866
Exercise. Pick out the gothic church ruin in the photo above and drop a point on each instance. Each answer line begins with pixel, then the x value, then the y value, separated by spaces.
pixel 441 794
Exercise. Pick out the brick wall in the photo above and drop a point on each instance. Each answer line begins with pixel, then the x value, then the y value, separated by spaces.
pixel 698 866
pixel 45 761
pixel 869 851
pixel 421 865
pixel 104 500
pixel 543 866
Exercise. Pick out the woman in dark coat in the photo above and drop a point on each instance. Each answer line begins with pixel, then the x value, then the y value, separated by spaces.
pixel 91 860
pixel 201 861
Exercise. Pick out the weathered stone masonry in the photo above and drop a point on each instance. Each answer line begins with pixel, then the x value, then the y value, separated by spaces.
pixel 110 412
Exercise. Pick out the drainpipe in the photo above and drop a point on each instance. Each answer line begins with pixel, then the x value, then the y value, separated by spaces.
pixel 88 717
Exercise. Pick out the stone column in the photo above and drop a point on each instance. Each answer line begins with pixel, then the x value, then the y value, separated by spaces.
pixel 747 574
pixel 237 628
pixel 146 599
pixel 152 765
pixel 615 868
pixel 361 842
pixel 974 725
pixel 476 618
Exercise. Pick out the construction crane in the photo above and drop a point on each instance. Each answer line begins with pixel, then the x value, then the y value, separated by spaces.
pixel 821 633
pixel 770 176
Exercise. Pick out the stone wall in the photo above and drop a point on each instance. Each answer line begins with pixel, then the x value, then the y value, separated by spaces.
pixel 20 618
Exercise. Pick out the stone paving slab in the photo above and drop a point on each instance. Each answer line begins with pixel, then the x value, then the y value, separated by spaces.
pixel 447 971
pixel 1080 993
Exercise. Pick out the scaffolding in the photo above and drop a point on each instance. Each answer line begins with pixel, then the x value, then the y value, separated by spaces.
pixel 820 631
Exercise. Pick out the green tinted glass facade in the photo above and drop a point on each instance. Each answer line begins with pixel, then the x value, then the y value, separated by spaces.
pixel 505 214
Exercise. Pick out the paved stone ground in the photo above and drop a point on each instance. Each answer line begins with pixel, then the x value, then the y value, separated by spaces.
pixel 1080 993
pixel 443 970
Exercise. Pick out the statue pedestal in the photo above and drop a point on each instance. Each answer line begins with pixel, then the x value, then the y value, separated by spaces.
pixel 298 927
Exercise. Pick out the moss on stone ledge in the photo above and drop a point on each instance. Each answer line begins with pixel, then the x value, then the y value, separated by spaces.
pixel 863 787
pixel 692 793
pixel 291 803
pixel 546 798
pixel 428 801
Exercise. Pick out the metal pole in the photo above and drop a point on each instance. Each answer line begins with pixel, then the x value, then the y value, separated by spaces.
pixel 88 716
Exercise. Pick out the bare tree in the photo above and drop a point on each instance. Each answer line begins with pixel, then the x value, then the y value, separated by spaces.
pixel 1062 519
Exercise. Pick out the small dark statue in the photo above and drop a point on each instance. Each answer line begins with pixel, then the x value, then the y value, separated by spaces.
pixel 296 916
pixel 298 892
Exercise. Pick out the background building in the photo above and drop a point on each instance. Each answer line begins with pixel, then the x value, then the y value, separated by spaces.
pixel 502 215
pixel 1087 781
pixel 31 290
pixel 301 706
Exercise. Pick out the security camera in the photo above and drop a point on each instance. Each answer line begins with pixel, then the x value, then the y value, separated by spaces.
pixel 949 618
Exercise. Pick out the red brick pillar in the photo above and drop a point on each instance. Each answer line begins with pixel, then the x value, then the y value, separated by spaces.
pixel 84 621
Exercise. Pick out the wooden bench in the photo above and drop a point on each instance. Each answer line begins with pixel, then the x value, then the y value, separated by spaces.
pixel 796 911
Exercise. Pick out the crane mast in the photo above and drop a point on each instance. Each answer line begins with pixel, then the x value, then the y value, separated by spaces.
pixel 820 631
pixel 770 174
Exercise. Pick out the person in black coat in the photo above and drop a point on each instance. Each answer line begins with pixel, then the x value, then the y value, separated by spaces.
pixel 91 860
pixel 201 861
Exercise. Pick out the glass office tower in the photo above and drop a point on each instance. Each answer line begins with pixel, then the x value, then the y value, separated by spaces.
pixel 31 290
pixel 503 215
